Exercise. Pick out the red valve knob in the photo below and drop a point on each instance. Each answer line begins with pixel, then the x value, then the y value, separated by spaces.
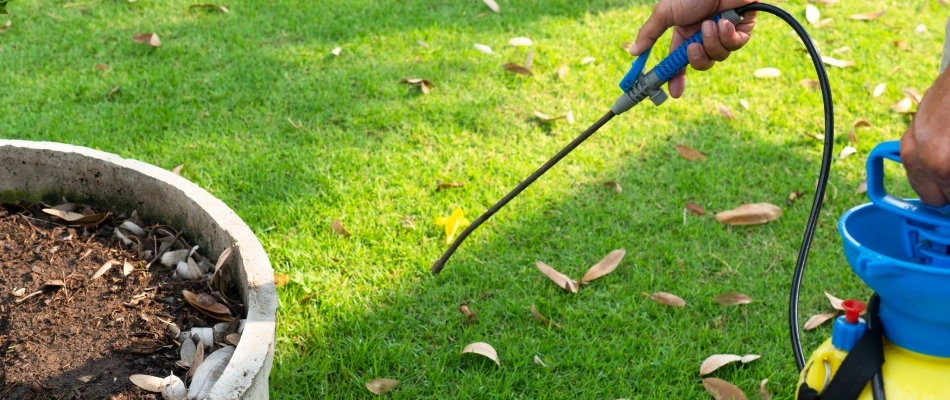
pixel 852 309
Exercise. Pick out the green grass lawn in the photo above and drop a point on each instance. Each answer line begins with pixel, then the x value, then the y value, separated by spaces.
pixel 292 137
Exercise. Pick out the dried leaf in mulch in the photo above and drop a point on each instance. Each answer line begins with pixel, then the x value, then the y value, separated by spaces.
pixel 148 38
pixel 668 299
pixel 723 390
pixel 208 305
pixel 695 209
pixel 483 48
pixel 210 7
pixel 75 218
pixel 768 72
pixel 689 153
pixel 868 16
pixel 233 338
pixel 604 267
pixel 147 382
pixel 518 69
pixel 492 5
pixel 469 315
pixel 381 386
pixel 448 185
pixel 834 62
pixel 339 228
pixel 483 349
pixel 750 214
pixel 732 299
pixel 561 280
pixel 103 269
pixel 816 320
pixel 520 42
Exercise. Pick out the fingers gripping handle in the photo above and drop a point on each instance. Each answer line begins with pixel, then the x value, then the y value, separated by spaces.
pixel 676 61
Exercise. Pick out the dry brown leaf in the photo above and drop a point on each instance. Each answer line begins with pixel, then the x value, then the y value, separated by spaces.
pixel 101 67
pixel 823 22
pixel 562 71
pixel 812 15
pixel 858 123
pixel 913 94
pixel 744 103
pixel 177 169
pixel 537 360
pixel 615 185
pixel 380 386
pixel 841 49
pixel 750 214
pixel 695 209
pixel 715 361
pixel 725 111
pixel 816 320
pixel 794 195
pixel 767 73
pixel 19 292
pixel 197 359
pixel 483 349
pixel 210 7
pixel 587 60
pixel 900 44
pixel 626 46
pixel 570 117
pixel 868 16
pixel 878 90
pixel 483 48
pixel 5 26
pixel 862 188
pixel 518 69
pixel 847 151
pixel 528 59
pixel 281 280
pixel 208 305
pixel 764 391
pixel 903 106
pixel 469 315
pixel 104 268
pixel 547 118
pixel 689 153
pixel 127 268
pixel 339 228
pixel 722 390
pixel 150 39
pixel 539 317
pixel 520 42
pixel 447 185
pixel 809 83
pixel 835 302
pixel 561 280
pixel 668 299
pixel 233 338
pixel 492 5
pixel 834 62
pixel 146 382
pixel 732 299
pixel 605 266
pixel 750 358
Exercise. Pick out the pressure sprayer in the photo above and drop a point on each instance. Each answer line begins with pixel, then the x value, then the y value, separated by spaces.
pixel 898 247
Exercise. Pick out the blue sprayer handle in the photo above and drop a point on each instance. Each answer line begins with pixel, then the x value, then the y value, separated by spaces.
pixel 879 196
pixel 673 63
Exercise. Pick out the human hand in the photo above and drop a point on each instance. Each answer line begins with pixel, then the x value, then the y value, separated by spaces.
pixel 688 16
pixel 925 146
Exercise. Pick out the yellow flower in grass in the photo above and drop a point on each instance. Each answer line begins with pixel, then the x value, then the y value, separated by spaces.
pixel 452 224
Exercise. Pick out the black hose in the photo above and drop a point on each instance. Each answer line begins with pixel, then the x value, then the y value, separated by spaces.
pixel 438 265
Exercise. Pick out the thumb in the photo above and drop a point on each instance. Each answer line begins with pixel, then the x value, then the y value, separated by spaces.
pixel 659 21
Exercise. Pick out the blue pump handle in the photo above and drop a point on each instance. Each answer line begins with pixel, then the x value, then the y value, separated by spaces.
pixel 671 65
pixel 879 196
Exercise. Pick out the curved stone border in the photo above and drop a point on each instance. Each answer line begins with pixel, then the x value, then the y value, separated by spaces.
pixel 44 169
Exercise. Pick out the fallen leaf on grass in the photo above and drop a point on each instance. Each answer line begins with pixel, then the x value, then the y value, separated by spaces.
pixel 547 118
pixel 722 390
pixel 903 106
pixel 835 302
pixel 424 84
pixel 816 320
pixel 112 93
pixel 562 71
pixel 484 349
pixel 695 209
pixel 562 281
pixel 732 299
pixel 847 151
pixel 913 94
pixel 520 42
pixel 716 361
pixel 689 153
pixel 900 44
pixel 812 15
pixel 483 48
pixel 841 49
pixel 537 360
pixel 763 391
pixel 725 111
pixel 604 267
pixel 447 185
pixel 338 227
pixel 336 51
pixel 492 5
pixel 834 62
pixel 668 299
pixel 149 38
pixel 518 69
pixel 587 60
pixel 862 188
pixel 920 29
pixel 615 185
pixel 767 73
pixel 869 16
pixel 380 386
pixel 569 117
pixel 809 83
pixel 858 123
pixel 878 90
pixel 281 280
pixel 794 195
pixel 210 7
pixel 744 103
pixel 528 58
pixel 177 169
pixel 101 67
pixel 539 317
pixel 6 25
pixel 823 22
pixel 750 214
pixel 469 315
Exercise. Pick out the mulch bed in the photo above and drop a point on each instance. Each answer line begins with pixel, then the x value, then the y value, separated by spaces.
pixel 65 335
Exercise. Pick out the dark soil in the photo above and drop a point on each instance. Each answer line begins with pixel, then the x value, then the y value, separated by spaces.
pixel 81 338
